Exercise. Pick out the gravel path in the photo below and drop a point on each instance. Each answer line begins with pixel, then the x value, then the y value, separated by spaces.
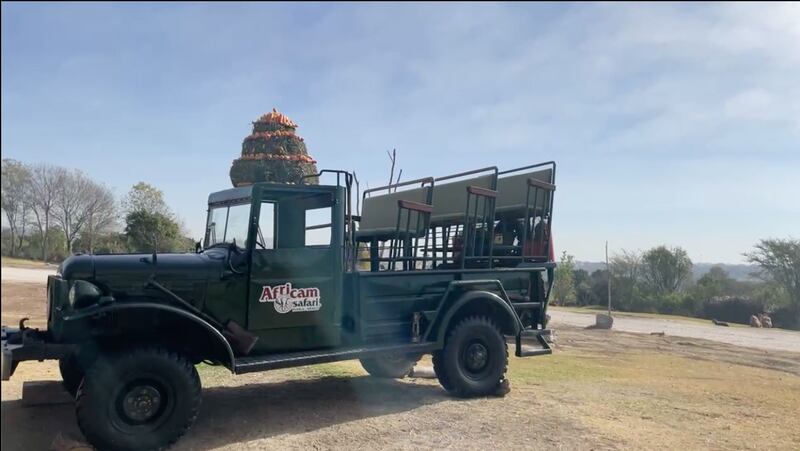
pixel 25 275
pixel 769 339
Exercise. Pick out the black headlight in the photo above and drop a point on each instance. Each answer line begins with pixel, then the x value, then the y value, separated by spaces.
pixel 83 294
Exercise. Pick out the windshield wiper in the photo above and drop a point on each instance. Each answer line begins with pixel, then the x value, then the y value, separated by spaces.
pixel 221 243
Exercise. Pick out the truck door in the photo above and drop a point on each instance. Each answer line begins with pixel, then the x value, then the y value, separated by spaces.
pixel 294 299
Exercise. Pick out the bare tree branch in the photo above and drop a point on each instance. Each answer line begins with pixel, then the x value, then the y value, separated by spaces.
pixel 45 183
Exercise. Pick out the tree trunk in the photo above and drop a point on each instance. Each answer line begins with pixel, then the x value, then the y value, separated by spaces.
pixel 22 235
pixel 91 233
pixel 11 226
pixel 44 236
pixel 13 241
pixel 69 243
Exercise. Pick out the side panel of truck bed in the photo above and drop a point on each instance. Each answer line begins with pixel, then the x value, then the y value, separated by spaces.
pixel 384 303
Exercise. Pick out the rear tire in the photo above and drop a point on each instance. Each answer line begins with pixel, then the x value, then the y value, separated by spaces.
pixel 474 359
pixel 391 367
pixel 141 399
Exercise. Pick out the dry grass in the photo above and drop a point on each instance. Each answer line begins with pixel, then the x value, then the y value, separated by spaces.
pixel 668 401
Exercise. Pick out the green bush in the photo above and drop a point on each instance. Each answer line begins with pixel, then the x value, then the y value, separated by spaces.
pixel 786 317
pixel 733 309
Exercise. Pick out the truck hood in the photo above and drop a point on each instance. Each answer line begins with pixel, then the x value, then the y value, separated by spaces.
pixel 127 273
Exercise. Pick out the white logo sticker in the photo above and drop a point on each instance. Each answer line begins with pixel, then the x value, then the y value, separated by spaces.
pixel 287 299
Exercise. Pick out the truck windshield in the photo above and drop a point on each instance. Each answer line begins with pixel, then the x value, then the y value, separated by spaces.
pixel 228 224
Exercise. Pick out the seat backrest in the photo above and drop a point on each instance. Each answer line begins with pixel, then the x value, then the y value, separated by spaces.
pixel 379 212
pixel 450 198
pixel 512 191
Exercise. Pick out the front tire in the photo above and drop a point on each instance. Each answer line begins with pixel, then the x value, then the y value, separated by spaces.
pixel 71 373
pixel 390 367
pixel 142 399
pixel 474 359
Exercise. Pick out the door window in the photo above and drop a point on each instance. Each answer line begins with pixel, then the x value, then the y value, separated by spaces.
pixel 318 227
pixel 265 238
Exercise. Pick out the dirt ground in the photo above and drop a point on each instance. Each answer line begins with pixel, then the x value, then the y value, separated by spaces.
pixel 24 274
pixel 599 390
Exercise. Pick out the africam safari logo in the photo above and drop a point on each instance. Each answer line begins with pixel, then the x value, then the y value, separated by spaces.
pixel 287 299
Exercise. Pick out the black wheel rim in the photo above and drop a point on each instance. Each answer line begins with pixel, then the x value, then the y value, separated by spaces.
pixel 475 359
pixel 141 405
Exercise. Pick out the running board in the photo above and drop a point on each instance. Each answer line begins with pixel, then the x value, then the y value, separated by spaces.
pixel 287 360
pixel 539 335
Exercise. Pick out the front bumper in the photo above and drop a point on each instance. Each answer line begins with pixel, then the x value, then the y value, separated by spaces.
pixel 8 365
pixel 19 345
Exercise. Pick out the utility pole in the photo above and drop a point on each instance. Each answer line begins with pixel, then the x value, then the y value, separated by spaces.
pixel 608 270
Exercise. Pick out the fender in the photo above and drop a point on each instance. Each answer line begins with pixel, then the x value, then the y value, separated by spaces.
pixel 170 310
pixel 512 322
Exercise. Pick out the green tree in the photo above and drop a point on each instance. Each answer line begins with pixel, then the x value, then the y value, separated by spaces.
pixel 599 283
pixel 779 262
pixel 625 274
pixel 564 285
pixel 149 223
pixel 665 271
pixel 151 232
pixel 716 282
pixel 583 287
pixel 105 243
pixel 145 197
pixel 15 180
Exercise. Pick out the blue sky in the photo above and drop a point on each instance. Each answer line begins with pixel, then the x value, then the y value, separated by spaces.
pixel 674 124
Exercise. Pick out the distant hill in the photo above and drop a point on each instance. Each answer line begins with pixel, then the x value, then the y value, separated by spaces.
pixel 736 271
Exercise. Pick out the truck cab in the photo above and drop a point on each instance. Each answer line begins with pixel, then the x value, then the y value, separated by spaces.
pixel 287 245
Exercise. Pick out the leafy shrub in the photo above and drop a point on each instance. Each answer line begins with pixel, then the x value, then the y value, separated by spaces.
pixel 733 309
pixel 786 317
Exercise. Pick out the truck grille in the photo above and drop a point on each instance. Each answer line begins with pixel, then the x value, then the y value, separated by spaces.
pixel 56 295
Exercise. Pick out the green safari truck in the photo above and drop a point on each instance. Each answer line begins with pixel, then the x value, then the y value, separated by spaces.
pixel 293 275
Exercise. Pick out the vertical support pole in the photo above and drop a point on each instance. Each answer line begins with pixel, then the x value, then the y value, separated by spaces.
pixel 407 241
pixel 527 221
pixel 608 270
pixel 541 217
pixel 491 231
pixel 445 242
pixel 374 263
pixel 435 252
pixel 474 229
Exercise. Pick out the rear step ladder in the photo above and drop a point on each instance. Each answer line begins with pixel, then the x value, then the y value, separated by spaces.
pixel 286 360
pixel 529 352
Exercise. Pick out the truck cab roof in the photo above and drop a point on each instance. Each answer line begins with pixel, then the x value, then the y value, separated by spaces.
pixel 244 193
